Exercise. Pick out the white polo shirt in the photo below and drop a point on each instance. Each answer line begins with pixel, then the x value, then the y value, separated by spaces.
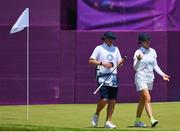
pixel 105 53
pixel 144 68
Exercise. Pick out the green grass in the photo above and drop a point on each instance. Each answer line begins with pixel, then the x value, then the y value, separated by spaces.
pixel 76 117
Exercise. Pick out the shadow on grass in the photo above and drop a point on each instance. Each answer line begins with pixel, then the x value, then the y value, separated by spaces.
pixel 138 127
pixel 20 127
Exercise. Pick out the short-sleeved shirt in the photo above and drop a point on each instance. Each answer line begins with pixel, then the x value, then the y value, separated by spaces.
pixel 144 70
pixel 107 53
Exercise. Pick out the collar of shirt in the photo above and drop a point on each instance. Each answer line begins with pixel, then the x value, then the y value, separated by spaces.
pixel 143 50
pixel 106 45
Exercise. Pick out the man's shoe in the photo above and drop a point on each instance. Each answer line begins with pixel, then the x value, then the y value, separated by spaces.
pixel 95 119
pixel 110 125
pixel 140 124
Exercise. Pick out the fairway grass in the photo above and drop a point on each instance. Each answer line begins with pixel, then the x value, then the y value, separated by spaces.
pixel 77 117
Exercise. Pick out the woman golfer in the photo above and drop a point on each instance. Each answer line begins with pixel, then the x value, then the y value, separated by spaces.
pixel 144 64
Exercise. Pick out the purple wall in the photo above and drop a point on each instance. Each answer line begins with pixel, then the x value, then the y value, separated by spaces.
pixel 59 69
pixel 173 66
pixel 44 52
pixel 60 72
pixel 68 44
pixel 68 14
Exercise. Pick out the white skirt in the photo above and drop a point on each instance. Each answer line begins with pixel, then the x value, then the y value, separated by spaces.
pixel 144 85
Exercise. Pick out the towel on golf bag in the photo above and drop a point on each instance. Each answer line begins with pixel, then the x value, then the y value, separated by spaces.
pixel 111 81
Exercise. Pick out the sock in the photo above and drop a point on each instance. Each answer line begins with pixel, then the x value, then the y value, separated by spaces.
pixel 152 119
pixel 137 119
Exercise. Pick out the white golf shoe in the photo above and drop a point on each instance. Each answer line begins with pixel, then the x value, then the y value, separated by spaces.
pixel 154 123
pixel 95 119
pixel 110 125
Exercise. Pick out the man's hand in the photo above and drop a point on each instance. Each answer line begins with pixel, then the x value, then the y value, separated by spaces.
pixel 125 58
pixel 107 65
pixel 122 61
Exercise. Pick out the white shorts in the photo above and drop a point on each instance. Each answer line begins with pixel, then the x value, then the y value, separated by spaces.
pixel 144 85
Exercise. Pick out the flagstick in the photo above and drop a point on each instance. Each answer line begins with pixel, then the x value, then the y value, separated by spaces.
pixel 21 23
pixel 27 106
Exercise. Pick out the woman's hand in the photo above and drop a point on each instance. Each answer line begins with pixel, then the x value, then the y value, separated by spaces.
pixel 139 57
pixel 166 77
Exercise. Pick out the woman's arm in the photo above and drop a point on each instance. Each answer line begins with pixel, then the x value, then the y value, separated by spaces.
pixel 160 72
pixel 157 69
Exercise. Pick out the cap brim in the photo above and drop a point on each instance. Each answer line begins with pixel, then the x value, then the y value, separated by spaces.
pixel 112 38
